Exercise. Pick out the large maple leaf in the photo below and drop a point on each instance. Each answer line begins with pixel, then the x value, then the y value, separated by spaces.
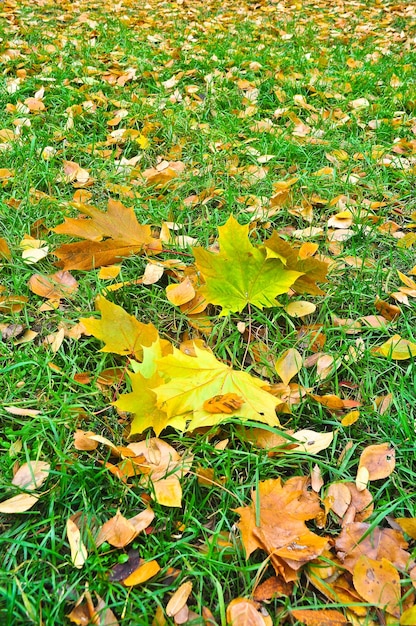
pixel 195 380
pixel 241 273
pixel 109 237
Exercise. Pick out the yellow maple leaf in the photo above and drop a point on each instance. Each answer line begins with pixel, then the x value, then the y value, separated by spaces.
pixel 121 332
pixel 194 380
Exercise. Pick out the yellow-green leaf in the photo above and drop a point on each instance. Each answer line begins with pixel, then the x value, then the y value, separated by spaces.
pixel 397 348
pixel 193 380
pixel 288 365
pixel 241 273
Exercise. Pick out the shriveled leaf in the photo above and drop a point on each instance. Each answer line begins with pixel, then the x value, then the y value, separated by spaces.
pixel 272 587
pixel 122 333
pixel 378 582
pixel 31 475
pixel 79 552
pixel 142 574
pixel 18 504
pixel 241 273
pixel 288 365
pixel 109 237
pixel 319 617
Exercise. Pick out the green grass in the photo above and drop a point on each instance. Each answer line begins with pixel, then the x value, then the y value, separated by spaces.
pixel 38 584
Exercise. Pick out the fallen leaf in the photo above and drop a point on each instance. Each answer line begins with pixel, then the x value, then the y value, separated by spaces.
pixel 288 365
pixel 397 348
pixel 241 274
pixel 310 442
pixel 179 599
pixel 55 286
pixel 300 308
pixel 79 552
pixel 110 237
pixel 31 475
pixel 319 617
pixel 18 504
pixel 121 332
pixel 378 460
pixel 378 582
pixel 242 612
pixel 118 532
pixel 142 574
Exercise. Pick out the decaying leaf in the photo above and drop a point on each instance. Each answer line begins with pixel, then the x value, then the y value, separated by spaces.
pixel 376 462
pixel 179 599
pixel 243 612
pixel 319 617
pixel 143 573
pixel 288 365
pixel 275 523
pixel 31 475
pixel 18 504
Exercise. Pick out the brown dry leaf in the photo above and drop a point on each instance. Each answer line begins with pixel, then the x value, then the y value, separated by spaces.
pixel 243 612
pixel 55 286
pixel 18 504
pixel 288 365
pixel 320 617
pixel 358 538
pixel 339 498
pixel 31 475
pixel 179 599
pixel 79 552
pixel 388 311
pixel 273 586
pixel 378 582
pixel 379 460
pixel 110 237
pixel 142 574
pixel 118 532
pixel 275 523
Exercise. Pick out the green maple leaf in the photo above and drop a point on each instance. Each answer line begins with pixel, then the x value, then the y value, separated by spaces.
pixel 241 273
pixel 191 381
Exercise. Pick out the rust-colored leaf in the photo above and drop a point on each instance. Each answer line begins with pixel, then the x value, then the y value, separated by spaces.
pixel 110 236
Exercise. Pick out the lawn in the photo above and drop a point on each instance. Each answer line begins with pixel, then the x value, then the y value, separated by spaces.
pixel 208 226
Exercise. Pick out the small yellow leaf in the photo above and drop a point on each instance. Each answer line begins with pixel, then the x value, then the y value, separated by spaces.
pixel 180 293
pixel 350 418
pixel 288 365
pixel 408 617
pixel 301 308
pixel 397 348
pixel 142 573
pixel 109 271
pixel 79 552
